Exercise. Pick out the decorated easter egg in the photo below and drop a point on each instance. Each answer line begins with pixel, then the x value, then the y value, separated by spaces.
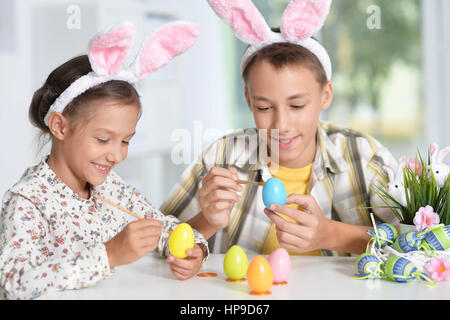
pixel 259 275
pixel 235 263
pixel 274 192
pixel 386 232
pixel 439 238
pixel 399 269
pixel 407 242
pixel 181 239
pixel 366 263
pixel 281 264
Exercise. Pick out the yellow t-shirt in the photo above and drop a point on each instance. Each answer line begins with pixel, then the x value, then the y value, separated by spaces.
pixel 295 181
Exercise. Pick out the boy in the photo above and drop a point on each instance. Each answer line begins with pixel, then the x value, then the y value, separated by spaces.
pixel 328 171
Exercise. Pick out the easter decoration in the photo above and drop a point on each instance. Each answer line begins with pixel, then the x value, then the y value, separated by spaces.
pixel 260 276
pixel 181 239
pixel 419 195
pixel 281 265
pixel 274 192
pixel 419 186
pixel 235 264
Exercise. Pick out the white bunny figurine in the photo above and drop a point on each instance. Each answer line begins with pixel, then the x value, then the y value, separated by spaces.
pixel 395 186
pixel 440 169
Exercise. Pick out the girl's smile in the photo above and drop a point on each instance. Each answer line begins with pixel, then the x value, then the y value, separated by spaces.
pixel 101 169
pixel 84 155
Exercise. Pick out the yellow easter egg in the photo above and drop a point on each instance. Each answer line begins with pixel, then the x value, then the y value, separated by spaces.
pixel 181 239
pixel 259 275
pixel 235 263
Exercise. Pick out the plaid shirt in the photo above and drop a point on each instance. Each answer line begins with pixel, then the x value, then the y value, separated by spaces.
pixel 347 165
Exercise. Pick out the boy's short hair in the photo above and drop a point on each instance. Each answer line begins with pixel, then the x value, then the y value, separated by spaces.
pixel 282 54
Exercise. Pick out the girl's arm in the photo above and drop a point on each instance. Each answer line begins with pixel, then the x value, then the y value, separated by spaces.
pixel 28 265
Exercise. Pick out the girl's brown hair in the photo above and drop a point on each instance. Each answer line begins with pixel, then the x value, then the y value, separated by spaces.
pixel 283 54
pixel 61 78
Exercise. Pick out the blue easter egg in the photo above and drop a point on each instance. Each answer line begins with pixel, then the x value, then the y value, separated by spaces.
pixel 439 238
pixel 274 192
pixel 407 242
pixel 400 269
pixel 388 232
pixel 366 263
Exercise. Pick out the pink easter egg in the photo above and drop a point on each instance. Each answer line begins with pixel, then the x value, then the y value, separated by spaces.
pixel 280 262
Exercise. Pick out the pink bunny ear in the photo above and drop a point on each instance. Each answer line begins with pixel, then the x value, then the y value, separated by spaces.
pixel 442 154
pixel 109 49
pixel 244 18
pixel 165 44
pixel 302 18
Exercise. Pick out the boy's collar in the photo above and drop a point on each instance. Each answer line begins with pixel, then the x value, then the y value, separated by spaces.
pixel 332 156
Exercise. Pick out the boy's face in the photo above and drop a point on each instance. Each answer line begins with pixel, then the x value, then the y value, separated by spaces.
pixel 93 148
pixel 287 103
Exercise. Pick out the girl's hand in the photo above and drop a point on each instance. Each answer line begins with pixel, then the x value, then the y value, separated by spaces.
pixel 217 196
pixel 134 241
pixel 185 268
pixel 313 227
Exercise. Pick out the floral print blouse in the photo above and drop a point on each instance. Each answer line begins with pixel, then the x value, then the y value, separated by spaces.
pixel 52 239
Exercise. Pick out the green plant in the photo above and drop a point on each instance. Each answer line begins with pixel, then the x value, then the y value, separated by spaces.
pixel 420 190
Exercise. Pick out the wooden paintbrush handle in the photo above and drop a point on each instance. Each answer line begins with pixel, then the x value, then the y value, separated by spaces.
pixel 118 207
pixel 244 181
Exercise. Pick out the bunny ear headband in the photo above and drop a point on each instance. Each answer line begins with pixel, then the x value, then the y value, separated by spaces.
pixel 109 49
pixel 300 20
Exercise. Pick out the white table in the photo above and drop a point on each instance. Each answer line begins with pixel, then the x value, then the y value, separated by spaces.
pixel 311 278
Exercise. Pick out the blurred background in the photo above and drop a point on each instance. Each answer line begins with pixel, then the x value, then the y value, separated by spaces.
pixel 391 76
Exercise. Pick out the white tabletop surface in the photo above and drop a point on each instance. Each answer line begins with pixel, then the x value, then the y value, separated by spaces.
pixel 310 278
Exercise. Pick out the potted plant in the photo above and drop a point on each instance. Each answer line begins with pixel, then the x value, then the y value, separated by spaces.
pixel 417 188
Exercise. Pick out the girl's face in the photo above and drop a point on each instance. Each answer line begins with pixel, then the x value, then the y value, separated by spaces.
pixel 90 150
pixel 287 103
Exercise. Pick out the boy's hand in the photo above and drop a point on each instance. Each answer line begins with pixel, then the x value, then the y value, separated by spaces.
pixel 134 241
pixel 217 196
pixel 312 228
pixel 185 268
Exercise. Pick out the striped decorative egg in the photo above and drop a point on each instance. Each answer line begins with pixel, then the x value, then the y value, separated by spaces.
pixel 386 231
pixel 399 269
pixel 439 238
pixel 405 242
pixel 366 263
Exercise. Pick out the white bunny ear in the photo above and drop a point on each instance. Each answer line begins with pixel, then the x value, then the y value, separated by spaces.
pixel 433 152
pixel 399 173
pixel 244 18
pixel 109 49
pixel 163 45
pixel 390 173
pixel 302 18
pixel 442 154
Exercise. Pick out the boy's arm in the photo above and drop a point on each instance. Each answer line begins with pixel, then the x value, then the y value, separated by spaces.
pixel 199 223
pixel 345 237
pixel 313 230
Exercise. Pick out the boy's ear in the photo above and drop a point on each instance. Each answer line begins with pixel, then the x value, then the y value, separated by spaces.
pixel 327 95
pixel 247 98
pixel 57 124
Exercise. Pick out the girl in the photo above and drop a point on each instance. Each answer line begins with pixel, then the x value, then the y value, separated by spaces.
pixel 328 170
pixel 57 232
